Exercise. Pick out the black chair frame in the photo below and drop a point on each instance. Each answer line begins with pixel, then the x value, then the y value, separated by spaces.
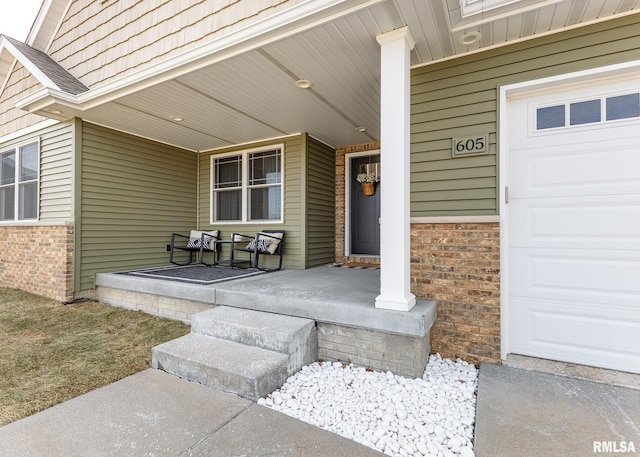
pixel 200 251
pixel 240 243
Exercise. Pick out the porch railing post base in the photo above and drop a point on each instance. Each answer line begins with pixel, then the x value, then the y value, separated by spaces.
pixel 395 303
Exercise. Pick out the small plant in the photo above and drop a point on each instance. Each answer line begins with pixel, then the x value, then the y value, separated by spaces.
pixel 366 178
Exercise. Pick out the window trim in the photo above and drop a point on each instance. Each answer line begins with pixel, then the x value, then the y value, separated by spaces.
pixel 16 184
pixel 244 157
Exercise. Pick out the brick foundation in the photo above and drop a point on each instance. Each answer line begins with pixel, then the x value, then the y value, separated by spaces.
pixel 38 259
pixel 458 266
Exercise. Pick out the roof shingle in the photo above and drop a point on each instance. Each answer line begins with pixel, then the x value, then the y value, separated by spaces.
pixel 58 75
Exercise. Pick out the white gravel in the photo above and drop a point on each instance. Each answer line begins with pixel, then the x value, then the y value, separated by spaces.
pixel 432 416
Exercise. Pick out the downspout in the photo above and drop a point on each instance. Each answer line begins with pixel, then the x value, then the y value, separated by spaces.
pixel 76 203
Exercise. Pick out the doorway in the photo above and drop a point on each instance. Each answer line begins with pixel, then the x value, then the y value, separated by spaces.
pixel 364 210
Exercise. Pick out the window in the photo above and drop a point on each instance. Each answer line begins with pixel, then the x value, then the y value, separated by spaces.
pixel 623 107
pixel 550 117
pixel 588 112
pixel 19 183
pixel 247 186
pixel 584 112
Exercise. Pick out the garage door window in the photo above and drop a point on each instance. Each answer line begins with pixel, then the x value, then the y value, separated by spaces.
pixel 584 112
pixel 623 107
pixel 588 112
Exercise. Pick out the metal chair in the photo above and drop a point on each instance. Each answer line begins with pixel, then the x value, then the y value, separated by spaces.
pixel 264 243
pixel 198 241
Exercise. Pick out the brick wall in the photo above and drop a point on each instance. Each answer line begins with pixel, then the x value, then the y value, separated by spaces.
pixel 458 266
pixel 38 259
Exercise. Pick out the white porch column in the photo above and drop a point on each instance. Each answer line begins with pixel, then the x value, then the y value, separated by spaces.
pixel 395 227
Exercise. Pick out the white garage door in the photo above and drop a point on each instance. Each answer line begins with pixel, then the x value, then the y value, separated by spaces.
pixel 574 224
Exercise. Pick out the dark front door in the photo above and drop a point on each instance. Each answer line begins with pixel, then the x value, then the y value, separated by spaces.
pixel 365 211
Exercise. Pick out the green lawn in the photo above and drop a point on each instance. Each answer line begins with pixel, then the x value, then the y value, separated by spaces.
pixel 51 352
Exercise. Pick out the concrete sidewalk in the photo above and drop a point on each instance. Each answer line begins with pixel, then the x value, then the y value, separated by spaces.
pixel 154 414
pixel 532 414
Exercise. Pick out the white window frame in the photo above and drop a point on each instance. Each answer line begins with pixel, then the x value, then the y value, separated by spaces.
pixel 17 183
pixel 244 157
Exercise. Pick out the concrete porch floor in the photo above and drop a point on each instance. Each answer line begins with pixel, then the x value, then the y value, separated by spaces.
pixel 336 295
pixel 340 300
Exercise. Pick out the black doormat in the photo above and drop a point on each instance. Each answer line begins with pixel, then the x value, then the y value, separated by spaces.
pixel 196 274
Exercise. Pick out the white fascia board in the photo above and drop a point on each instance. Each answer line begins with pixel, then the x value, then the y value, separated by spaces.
pixel 47 23
pixel 39 20
pixel 294 20
pixel 7 64
pixel 47 97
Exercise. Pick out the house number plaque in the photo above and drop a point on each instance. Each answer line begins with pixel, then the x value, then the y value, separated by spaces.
pixel 469 145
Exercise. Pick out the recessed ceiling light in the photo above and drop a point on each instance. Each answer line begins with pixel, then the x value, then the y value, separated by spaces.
pixel 469 38
pixel 361 129
pixel 176 118
pixel 303 83
pixel 53 111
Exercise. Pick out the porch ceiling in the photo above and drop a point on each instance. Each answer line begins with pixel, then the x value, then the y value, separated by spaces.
pixel 247 93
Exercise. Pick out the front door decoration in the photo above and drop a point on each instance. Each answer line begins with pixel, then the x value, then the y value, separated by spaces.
pixel 368 177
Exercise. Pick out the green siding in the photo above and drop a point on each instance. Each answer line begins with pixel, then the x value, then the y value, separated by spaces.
pixel 459 97
pixel 56 175
pixel 134 193
pixel 293 201
pixel 320 193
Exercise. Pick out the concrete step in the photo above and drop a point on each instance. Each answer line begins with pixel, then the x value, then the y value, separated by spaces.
pixel 249 372
pixel 293 336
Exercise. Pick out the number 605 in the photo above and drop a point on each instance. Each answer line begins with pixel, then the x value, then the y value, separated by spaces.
pixel 470 145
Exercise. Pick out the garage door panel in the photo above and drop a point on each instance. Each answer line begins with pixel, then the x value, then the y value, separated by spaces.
pixel 574 224
pixel 595 222
pixel 565 331
pixel 577 276
pixel 599 168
